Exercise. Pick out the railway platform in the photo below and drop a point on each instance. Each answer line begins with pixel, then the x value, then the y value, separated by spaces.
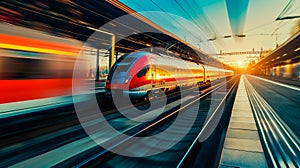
pixel 242 146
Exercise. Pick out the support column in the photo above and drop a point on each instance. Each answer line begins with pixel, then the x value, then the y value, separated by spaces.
pixel 97 65
pixel 112 52
pixel 112 46
pixel 117 54
pixel 204 73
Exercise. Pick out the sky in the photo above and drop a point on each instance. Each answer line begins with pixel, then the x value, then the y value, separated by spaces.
pixel 204 23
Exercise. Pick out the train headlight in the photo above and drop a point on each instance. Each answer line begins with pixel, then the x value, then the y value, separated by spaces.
pixel 127 79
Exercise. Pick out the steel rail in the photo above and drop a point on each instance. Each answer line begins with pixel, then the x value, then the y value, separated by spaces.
pixel 281 146
pixel 151 125
pixel 205 128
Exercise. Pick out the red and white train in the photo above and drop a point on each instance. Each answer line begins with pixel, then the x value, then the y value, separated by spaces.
pixel 138 73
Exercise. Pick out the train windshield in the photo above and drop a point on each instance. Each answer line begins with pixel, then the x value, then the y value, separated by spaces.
pixel 123 64
pixel 143 71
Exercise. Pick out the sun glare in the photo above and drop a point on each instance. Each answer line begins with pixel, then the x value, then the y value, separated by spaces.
pixel 240 64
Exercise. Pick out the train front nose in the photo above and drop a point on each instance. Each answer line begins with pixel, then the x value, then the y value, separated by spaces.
pixel 120 78
pixel 118 85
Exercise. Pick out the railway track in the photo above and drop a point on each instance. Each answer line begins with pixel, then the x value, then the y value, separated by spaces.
pixel 48 140
pixel 281 146
pixel 105 158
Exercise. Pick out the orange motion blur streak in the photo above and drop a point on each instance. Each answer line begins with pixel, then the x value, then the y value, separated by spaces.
pixel 20 41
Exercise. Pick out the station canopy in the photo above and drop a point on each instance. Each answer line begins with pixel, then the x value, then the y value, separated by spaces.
pixel 192 29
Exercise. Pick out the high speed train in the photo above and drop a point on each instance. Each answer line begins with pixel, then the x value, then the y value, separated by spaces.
pixel 136 74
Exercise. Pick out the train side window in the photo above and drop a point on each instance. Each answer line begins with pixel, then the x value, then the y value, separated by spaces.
pixel 143 71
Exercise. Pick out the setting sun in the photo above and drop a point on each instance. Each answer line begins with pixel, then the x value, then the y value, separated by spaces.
pixel 241 64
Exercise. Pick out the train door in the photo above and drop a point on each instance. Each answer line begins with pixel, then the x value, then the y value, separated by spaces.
pixel 153 71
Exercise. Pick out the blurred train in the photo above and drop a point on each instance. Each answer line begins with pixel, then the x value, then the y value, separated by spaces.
pixel 34 64
pixel 136 74
pixel 288 71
